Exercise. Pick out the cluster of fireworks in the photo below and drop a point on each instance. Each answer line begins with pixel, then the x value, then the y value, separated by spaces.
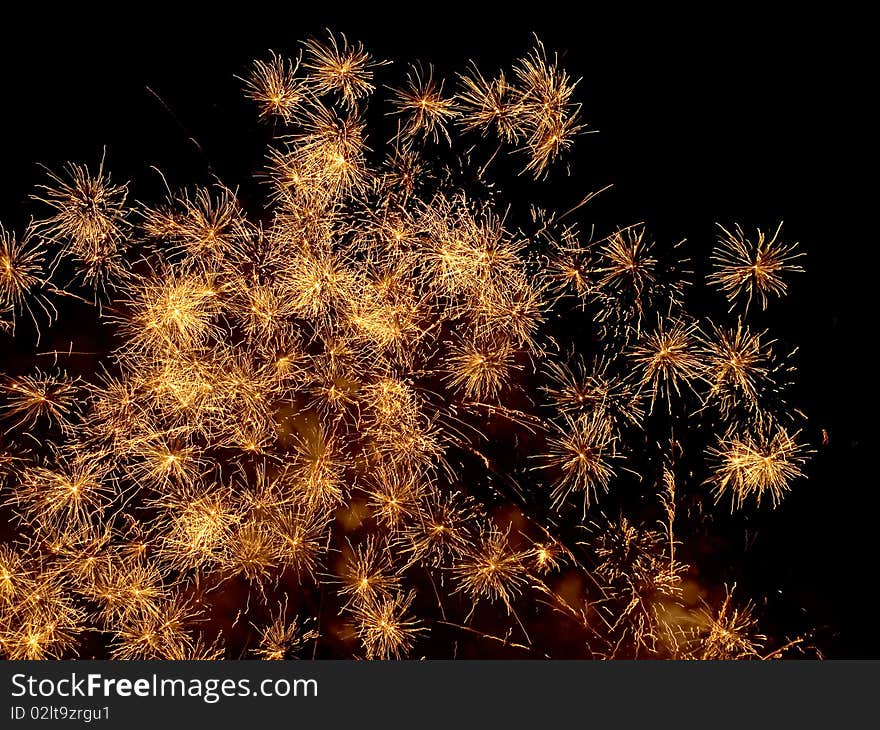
pixel 387 415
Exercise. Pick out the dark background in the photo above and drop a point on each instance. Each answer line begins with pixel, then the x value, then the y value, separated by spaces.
pixel 740 116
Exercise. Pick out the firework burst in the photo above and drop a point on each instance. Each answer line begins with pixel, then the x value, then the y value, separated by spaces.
pixel 385 404
pixel 753 269
pixel 753 467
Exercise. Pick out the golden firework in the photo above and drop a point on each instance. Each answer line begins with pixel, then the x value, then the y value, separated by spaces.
pixel 335 65
pixel 385 628
pixel 753 268
pixel 753 466
pixel 492 569
pixel 381 402
pixel 667 358
pixel 274 86
pixel 421 103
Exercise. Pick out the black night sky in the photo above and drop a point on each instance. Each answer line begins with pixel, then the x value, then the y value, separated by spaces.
pixel 735 117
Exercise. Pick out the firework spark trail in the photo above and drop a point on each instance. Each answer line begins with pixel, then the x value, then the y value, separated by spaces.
pixel 352 413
